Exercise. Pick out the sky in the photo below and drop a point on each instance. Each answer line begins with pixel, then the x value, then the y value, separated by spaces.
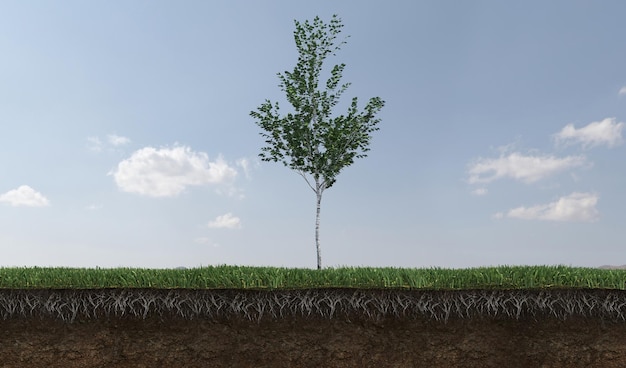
pixel 126 138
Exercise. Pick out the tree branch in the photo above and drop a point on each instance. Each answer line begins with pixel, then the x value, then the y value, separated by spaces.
pixel 303 174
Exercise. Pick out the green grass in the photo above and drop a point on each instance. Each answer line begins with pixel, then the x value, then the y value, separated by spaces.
pixel 236 277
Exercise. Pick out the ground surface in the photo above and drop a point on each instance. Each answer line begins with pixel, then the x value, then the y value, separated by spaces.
pixel 300 342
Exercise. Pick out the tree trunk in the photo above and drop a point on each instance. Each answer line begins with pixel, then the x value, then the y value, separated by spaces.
pixel 317 229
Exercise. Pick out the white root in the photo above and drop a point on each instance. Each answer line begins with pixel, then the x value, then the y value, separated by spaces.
pixel 69 305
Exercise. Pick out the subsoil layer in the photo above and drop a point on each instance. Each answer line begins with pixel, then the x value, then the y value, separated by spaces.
pixel 312 342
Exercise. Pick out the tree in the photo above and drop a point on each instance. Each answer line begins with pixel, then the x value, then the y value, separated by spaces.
pixel 309 140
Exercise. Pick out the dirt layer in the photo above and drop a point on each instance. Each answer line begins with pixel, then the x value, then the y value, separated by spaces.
pixel 302 342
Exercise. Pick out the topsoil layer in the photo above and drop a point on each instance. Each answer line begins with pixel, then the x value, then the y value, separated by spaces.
pixel 312 342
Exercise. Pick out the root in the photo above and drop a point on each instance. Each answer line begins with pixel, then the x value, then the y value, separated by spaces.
pixel 69 305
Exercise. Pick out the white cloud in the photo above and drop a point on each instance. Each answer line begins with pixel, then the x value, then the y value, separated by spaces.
pixel 227 221
pixel 94 207
pixel 517 166
pixel 117 140
pixel 607 131
pixel 231 191
pixel 94 144
pixel 248 165
pixel 244 163
pixel 202 240
pixel 206 241
pixel 622 91
pixel 498 215
pixel 112 140
pixel 166 172
pixel 579 207
pixel 479 191
pixel 24 196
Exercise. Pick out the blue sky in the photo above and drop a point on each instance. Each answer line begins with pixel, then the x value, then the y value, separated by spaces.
pixel 126 136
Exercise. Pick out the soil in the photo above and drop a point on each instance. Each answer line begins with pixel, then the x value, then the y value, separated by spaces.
pixel 312 342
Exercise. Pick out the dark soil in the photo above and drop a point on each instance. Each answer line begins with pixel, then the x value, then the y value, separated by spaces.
pixel 312 342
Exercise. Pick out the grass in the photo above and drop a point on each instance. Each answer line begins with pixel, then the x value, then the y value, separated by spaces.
pixel 237 277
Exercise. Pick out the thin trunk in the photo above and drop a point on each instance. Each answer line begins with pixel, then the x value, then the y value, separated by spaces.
pixel 317 228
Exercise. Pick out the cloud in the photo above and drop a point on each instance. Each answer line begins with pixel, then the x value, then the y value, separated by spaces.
pixel 244 163
pixel 166 172
pixel 622 91
pixel 479 191
pixel 206 241
pixel 94 144
pixel 202 240
pixel 117 140
pixel 607 131
pixel 227 221
pixel 24 196
pixel 231 191
pixel 576 207
pixel 517 166
pixel 97 145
